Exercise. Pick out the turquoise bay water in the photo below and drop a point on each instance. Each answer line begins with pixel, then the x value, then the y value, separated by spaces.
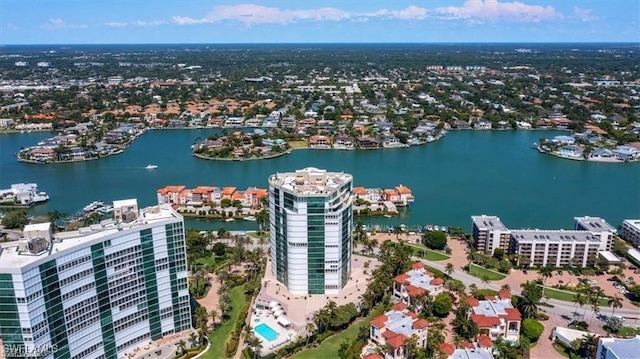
pixel 465 173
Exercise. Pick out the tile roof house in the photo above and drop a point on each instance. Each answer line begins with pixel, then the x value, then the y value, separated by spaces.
pixel 393 328
pixel 496 317
pixel 414 283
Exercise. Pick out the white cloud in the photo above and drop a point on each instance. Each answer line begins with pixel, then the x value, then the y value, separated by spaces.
pixel 471 11
pixel 584 14
pixel 116 24
pixel 59 24
pixel 494 10
pixel 138 23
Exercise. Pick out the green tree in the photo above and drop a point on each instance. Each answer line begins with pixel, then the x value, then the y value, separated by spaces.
pixel 615 302
pixel 435 240
pixel 15 219
pixel 442 305
pixel 529 299
pixel 449 269
pixel 532 329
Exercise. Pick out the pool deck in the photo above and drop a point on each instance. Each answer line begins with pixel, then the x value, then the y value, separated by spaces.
pixel 301 309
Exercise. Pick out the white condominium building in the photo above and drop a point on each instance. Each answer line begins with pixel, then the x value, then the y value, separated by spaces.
pixel 490 233
pixel 555 248
pixel 631 231
pixel 600 228
pixel 311 219
pixel 99 292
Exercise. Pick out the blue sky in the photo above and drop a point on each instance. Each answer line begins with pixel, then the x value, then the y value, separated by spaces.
pixel 302 21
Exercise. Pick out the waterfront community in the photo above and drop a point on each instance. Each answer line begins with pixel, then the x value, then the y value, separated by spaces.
pixel 410 292
pixel 332 270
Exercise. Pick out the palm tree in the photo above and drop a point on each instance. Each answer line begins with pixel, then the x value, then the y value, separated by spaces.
pixel 473 289
pixel 546 272
pixel 580 300
pixel 193 337
pixel 182 346
pixel 397 230
pixel 262 217
pixel 411 346
pixel 615 303
pixel 485 279
pixel 506 287
pixel 213 314
pixel 449 269
pixel 309 328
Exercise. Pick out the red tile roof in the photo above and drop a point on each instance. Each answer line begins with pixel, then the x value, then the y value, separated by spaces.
pixel 397 341
pixel 418 265
pixel 483 321
pixel 420 324
pixel 389 334
pixel 399 307
pixel 467 345
pixel 373 356
pixel 414 291
pixel 473 302
pixel 437 281
pixel 359 190
pixel 379 321
pixel 513 314
pixel 504 294
pixel 401 278
pixel 484 341
pixel 447 348
pixel 403 189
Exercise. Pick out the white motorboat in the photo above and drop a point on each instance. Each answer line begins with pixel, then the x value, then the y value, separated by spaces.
pixel 151 167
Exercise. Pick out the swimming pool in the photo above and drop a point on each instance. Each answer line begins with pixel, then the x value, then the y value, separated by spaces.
pixel 266 332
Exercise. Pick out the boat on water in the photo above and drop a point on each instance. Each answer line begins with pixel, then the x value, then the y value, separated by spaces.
pixel 105 209
pixel 151 167
pixel 229 220
pixel 93 206
pixel 249 218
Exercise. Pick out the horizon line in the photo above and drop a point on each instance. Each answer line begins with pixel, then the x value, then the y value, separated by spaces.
pixel 325 43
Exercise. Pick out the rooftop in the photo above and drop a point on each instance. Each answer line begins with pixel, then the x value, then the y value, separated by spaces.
pixel 635 223
pixel 622 348
pixel 310 181
pixel 594 224
pixel 525 235
pixel 14 257
pixel 489 222
pixel 474 353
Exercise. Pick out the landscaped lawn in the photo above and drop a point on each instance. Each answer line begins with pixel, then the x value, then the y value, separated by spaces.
pixel 568 296
pixel 299 144
pixel 478 271
pixel 428 254
pixel 219 337
pixel 330 346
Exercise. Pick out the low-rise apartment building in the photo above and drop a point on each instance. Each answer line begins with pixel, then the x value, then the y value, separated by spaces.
pixel 599 227
pixel 496 317
pixel 618 348
pixel 490 233
pixel 631 231
pixel 482 349
pixel 392 329
pixel 415 283
pixel 555 248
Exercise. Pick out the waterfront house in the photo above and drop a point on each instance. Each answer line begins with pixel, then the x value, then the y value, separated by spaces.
pixel 391 141
pixel 253 122
pixel 270 122
pixel 234 122
pixel 482 125
pixel 169 194
pixel 496 317
pixel 573 151
pixel 368 142
pixel 564 140
pixel 602 153
pixel 417 282
pixel 227 193
pixel 392 329
pixel 320 142
pixel 627 153
pixel 343 143
pixel 400 196
pixel 288 122
pixel 203 194
pixel 215 122
pixel 41 154
pixel 253 196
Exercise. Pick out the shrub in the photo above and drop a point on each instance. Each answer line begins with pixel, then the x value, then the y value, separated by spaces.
pixel 232 346
pixel 532 329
